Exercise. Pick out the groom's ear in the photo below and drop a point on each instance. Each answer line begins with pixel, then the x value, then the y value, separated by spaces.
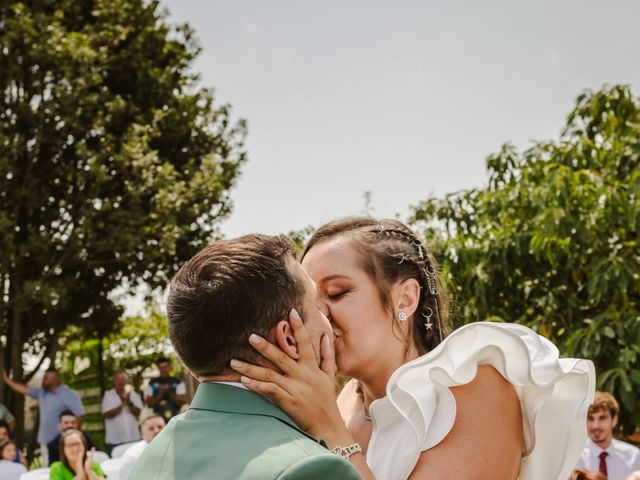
pixel 285 340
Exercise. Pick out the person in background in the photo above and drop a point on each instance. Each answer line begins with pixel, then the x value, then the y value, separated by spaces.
pixel 7 416
pixel 5 435
pixel 11 453
pixel 584 475
pixel 76 461
pixel 8 467
pixel 121 409
pixel 165 394
pixel 53 398
pixel 603 453
pixel 150 426
pixel 634 476
pixel 67 421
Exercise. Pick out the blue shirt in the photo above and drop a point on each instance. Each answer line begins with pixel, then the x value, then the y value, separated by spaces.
pixel 52 404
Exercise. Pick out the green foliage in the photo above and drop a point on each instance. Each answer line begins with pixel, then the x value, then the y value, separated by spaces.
pixel 133 346
pixel 301 236
pixel 114 165
pixel 552 241
pixel 82 371
pixel 140 340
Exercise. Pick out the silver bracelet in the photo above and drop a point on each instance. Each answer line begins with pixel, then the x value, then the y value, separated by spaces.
pixel 346 452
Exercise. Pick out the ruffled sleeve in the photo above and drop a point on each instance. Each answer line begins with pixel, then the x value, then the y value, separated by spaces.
pixel 419 409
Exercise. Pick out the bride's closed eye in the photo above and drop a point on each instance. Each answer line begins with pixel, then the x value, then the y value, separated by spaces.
pixel 337 295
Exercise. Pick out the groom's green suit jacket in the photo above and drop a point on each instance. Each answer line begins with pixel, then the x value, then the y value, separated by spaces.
pixel 230 433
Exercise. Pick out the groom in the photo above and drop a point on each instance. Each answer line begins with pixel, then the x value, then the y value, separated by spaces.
pixel 227 291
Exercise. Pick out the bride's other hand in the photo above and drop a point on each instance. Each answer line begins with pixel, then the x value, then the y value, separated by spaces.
pixel 302 388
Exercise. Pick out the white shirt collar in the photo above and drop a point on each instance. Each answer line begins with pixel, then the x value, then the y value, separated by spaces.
pixel 597 449
pixel 233 384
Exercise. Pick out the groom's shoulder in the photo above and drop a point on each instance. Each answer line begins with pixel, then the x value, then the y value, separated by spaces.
pixel 236 446
pixel 320 467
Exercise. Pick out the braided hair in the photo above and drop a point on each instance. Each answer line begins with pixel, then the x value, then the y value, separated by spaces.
pixel 391 252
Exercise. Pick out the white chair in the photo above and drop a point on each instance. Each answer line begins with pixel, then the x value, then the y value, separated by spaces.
pixel 38 474
pixel 118 451
pixel 113 468
pixel 11 470
pixel 100 457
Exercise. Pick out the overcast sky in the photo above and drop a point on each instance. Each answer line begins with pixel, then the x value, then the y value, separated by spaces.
pixel 404 99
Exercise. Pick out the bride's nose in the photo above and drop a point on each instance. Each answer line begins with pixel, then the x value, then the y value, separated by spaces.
pixel 324 308
pixel 326 311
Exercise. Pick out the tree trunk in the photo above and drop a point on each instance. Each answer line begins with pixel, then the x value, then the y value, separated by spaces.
pixel 3 332
pixel 2 385
pixel 15 342
pixel 101 365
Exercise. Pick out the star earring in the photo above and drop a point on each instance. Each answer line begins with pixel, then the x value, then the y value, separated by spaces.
pixel 427 324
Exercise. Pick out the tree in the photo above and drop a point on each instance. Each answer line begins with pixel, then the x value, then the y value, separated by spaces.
pixel 552 241
pixel 134 345
pixel 138 343
pixel 300 237
pixel 114 164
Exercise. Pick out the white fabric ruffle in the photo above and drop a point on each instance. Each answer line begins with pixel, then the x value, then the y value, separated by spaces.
pixel 419 409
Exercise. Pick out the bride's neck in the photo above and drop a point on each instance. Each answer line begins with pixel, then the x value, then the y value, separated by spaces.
pixel 372 392
pixel 376 386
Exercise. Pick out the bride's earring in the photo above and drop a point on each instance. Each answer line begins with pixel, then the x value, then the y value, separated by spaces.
pixel 427 324
pixel 402 316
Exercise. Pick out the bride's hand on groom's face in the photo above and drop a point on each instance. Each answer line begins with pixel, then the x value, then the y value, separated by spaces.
pixel 304 390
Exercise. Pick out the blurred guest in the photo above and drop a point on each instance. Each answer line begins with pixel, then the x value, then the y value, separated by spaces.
pixel 53 398
pixel 584 475
pixel 8 467
pixel 121 409
pixel 76 461
pixel 6 436
pixel 165 394
pixel 634 476
pixel 11 453
pixel 7 416
pixel 4 430
pixel 603 453
pixel 150 427
pixel 67 421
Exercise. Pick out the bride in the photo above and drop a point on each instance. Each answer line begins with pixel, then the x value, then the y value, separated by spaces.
pixel 488 401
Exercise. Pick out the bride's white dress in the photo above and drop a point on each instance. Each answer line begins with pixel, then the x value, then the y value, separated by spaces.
pixel 419 409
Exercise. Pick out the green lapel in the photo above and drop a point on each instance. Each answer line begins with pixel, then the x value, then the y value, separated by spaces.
pixel 219 397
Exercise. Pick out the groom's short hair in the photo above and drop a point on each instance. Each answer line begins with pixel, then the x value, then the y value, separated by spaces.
pixel 227 291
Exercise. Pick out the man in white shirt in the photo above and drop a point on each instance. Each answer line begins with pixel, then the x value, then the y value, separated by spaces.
pixel 121 409
pixel 150 427
pixel 604 454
